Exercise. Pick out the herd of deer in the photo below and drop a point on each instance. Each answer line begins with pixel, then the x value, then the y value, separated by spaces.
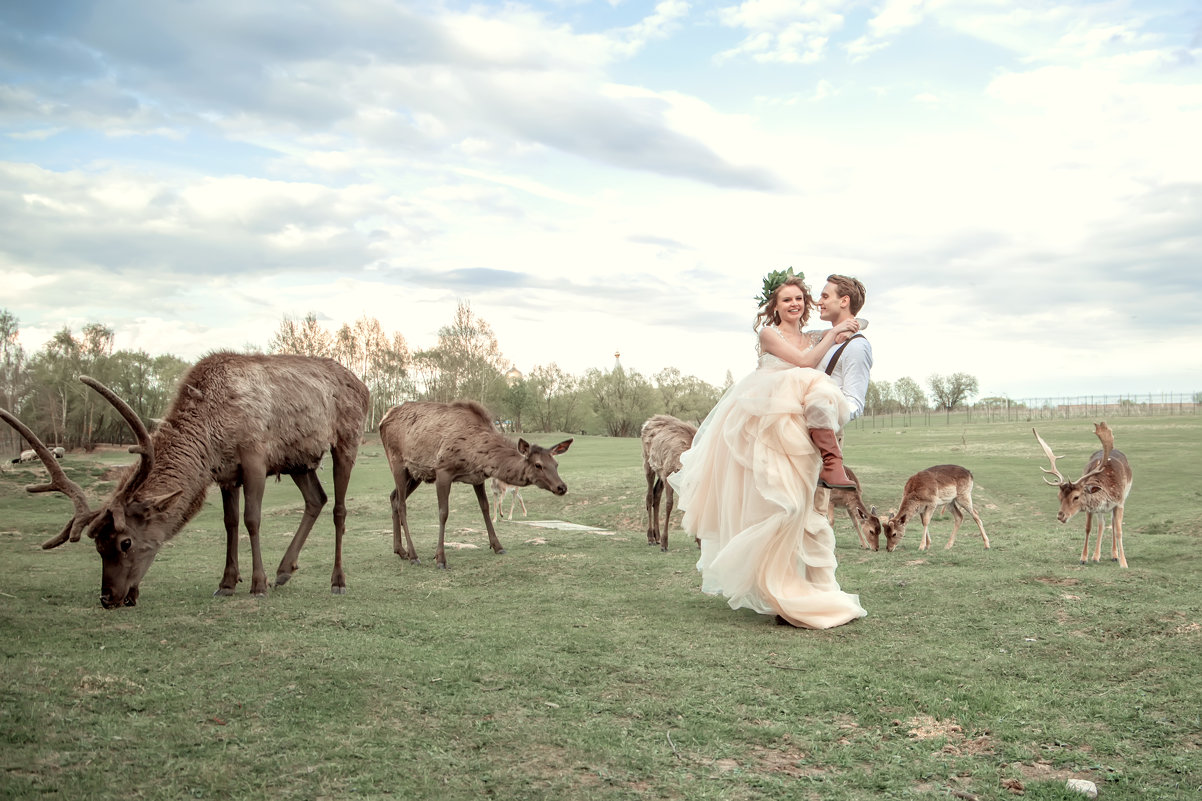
pixel 238 419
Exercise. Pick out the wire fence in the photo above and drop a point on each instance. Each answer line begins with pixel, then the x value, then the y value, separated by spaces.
pixel 1004 410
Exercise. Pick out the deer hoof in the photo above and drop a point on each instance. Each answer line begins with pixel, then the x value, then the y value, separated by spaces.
pixel 337 590
pixel 282 578
pixel 223 592
pixel 262 594
pixel 500 552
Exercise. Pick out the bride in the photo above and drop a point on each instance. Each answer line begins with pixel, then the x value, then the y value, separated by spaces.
pixel 747 484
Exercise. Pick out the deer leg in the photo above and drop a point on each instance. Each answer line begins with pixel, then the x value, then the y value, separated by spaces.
pixel 976 517
pixel 229 506
pixel 405 484
pixel 669 498
pixel 855 523
pixel 1116 532
pixel 254 482
pixel 518 497
pixel 315 498
pixel 926 528
pixel 400 517
pixel 482 497
pixel 652 504
pixel 1097 545
pixel 442 488
pixel 957 520
pixel 1088 531
pixel 343 462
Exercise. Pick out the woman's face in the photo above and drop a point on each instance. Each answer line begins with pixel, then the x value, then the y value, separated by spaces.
pixel 790 304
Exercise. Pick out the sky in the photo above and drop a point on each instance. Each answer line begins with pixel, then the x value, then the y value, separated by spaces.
pixel 1018 183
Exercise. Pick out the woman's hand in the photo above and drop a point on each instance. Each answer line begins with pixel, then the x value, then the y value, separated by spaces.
pixel 845 330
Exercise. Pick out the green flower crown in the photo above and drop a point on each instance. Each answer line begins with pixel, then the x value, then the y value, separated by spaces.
pixel 774 280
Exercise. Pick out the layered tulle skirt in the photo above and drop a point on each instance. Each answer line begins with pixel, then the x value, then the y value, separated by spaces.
pixel 747 487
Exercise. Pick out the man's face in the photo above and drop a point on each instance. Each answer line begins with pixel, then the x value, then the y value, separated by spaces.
pixel 830 305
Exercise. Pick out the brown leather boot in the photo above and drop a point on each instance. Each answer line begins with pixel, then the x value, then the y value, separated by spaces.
pixel 832 475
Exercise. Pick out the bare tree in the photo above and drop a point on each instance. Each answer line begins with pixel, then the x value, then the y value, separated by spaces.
pixel 304 338
pixel 465 363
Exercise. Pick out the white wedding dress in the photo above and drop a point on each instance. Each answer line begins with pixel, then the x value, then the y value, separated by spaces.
pixel 747 487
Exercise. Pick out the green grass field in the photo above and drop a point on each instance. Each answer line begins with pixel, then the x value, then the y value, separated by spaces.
pixel 583 665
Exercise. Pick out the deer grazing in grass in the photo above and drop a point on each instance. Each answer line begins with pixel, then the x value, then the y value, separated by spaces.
pixel 665 438
pixel 499 490
pixel 236 420
pixel 865 520
pixel 948 484
pixel 445 443
pixel 1102 488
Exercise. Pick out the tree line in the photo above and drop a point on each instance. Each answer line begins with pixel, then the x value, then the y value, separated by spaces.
pixel 466 362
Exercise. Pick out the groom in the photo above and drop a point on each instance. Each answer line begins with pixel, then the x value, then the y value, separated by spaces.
pixel 850 363
pixel 847 364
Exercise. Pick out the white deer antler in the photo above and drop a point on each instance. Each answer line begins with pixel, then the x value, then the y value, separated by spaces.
pixel 1053 457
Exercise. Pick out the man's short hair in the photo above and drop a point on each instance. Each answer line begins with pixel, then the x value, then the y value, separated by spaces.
pixel 846 286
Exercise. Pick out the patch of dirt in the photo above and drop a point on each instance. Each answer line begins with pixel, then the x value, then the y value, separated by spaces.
pixel 913 562
pixel 108 685
pixel 925 727
pixel 1057 581
pixel 1188 628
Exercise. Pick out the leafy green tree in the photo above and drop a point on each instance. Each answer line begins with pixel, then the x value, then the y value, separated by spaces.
pixel 909 394
pixel 623 399
pixel 555 399
pixel 879 398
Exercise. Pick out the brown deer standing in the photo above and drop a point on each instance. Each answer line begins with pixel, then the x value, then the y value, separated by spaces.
pixel 236 420
pixel 665 438
pixel 948 484
pixel 861 517
pixel 1102 488
pixel 499 490
pixel 445 443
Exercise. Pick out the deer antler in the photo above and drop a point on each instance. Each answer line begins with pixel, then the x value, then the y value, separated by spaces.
pixel 1106 436
pixel 58 481
pixel 145 446
pixel 1053 457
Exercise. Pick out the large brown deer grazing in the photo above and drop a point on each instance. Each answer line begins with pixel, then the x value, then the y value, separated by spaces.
pixel 864 519
pixel 1103 487
pixel 948 484
pixel 446 443
pixel 665 438
pixel 236 420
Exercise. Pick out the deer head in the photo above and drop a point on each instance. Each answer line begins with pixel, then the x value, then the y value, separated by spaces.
pixel 541 468
pixel 119 527
pixel 893 527
pixel 1074 493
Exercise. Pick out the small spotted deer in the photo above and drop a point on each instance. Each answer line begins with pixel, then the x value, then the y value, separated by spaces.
pixel 861 516
pixel 948 484
pixel 499 490
pixel 1102 488
pixel 664 438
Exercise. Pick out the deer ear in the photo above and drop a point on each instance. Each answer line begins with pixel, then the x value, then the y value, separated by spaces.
pixel 160 502
pixel 523 447
pixel 561 447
